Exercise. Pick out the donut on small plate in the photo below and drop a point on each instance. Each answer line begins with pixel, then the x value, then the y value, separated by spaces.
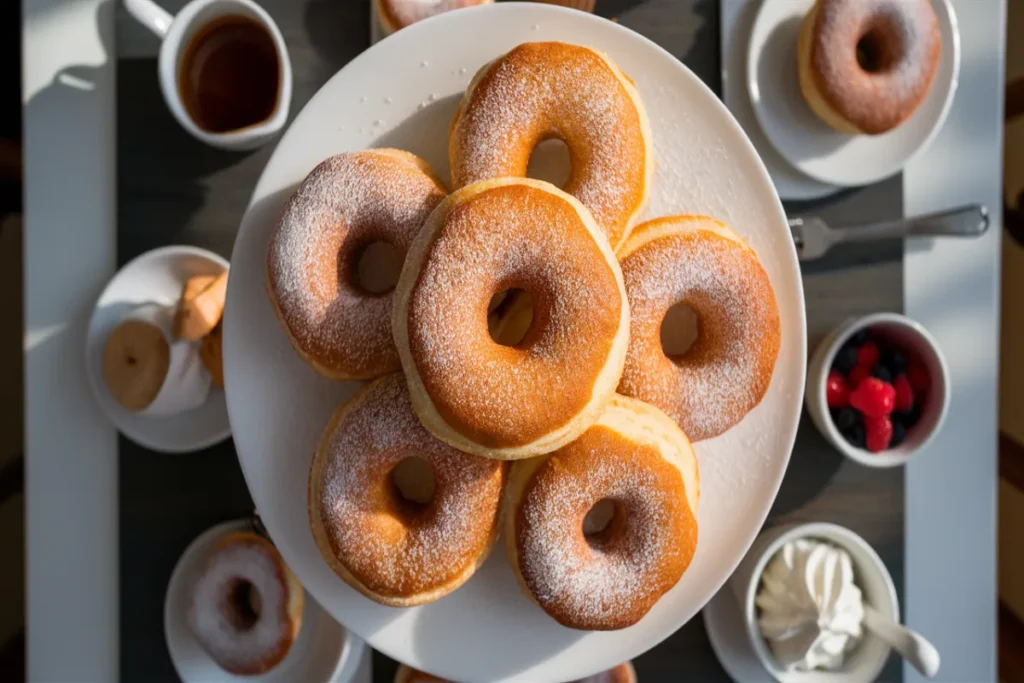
pixel 246 607
pixel 865 66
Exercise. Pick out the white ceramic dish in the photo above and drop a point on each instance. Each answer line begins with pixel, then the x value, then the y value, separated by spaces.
pixel 811 145
pixel 156 276
pixel 868 658
pixel 402 92
pixel 737 20
pixel 324 652
pixel 906 334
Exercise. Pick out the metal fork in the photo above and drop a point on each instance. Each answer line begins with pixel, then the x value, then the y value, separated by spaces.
pixel 814 237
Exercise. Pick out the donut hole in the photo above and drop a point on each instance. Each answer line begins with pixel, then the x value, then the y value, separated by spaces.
pixel 879 48
pixel 550 161
pixel 679 330
pixel 510 316
pixel 601 523
pixel 414 482
pixel 376 267
pixel 243 604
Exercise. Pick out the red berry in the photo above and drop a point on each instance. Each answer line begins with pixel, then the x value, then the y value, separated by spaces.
pixel 874 398
pixel 878 433
pixel 918 375
pixel 857 375
pixel 904 393
pixel 837 394
pixel 868 355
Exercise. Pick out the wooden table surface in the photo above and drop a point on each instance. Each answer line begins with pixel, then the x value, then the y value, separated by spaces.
pixel 172 189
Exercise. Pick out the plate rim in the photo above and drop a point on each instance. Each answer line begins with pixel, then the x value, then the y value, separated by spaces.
pixel 946 15
pixel 96 383
pixel 786 253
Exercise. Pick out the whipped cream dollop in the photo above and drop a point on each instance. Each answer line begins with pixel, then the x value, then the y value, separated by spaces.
pixel 811 609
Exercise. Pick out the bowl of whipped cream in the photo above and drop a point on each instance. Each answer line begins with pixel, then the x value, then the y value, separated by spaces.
pixel 803 590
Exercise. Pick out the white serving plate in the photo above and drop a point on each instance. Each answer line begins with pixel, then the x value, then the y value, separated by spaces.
pixel 402 93
pixel 810 144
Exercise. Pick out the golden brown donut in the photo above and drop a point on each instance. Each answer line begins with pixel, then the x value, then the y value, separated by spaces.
pixel 397 14
pixel 500 401
pixel 725 373
pixel 246 605
pixel 865 66
pixel 540 91
pixel 392 550
pixel 344 205
pixel 639 459
pixel 623 673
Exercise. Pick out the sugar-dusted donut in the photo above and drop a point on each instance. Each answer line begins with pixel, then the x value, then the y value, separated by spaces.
pixel 392 550
pixel 699 261
pixel 510 402
pixel 246 605
pixel 540 91
pixel 639 459
pixel 865 66
pixel 344 205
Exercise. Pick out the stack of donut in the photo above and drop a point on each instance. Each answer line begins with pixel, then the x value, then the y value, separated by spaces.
pixel 518 360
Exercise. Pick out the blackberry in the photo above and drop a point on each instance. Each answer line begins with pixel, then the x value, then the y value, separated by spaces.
pixel 894 360
pixel 882 373
pixel 899 432
pixel 860 336
pixel 907 418
pixel 856 436
pixel 845 419
pixel 846 358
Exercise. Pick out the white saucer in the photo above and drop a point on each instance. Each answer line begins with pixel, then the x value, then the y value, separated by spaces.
pixel 810 144
pixel 723 620
pixel 156 276
pixel 324 652
pixel 402 92
pixel 736 21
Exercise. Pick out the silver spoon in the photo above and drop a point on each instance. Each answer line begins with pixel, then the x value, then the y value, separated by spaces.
pixel 814 237
pixel 911 645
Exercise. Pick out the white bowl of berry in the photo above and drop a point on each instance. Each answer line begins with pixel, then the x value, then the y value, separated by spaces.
pixel 878 389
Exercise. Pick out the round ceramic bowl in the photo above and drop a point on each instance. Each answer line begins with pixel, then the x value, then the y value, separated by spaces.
pixel 906 334
pixel 866 660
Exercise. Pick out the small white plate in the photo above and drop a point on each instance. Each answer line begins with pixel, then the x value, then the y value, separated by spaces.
pixel 737 19
pixel 723 620
pixel 324 651
pixel 156 276
pixel 807 142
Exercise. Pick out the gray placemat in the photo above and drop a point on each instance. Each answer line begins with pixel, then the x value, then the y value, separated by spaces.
pixel 172 189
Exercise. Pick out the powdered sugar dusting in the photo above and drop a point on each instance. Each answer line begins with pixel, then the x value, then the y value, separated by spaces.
pixel 391 549
pixel 727 370
pixel 210 611
pixel 876 101
pixel 346 203
pixel 543 90
pixel 514 236
pixel 609 586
